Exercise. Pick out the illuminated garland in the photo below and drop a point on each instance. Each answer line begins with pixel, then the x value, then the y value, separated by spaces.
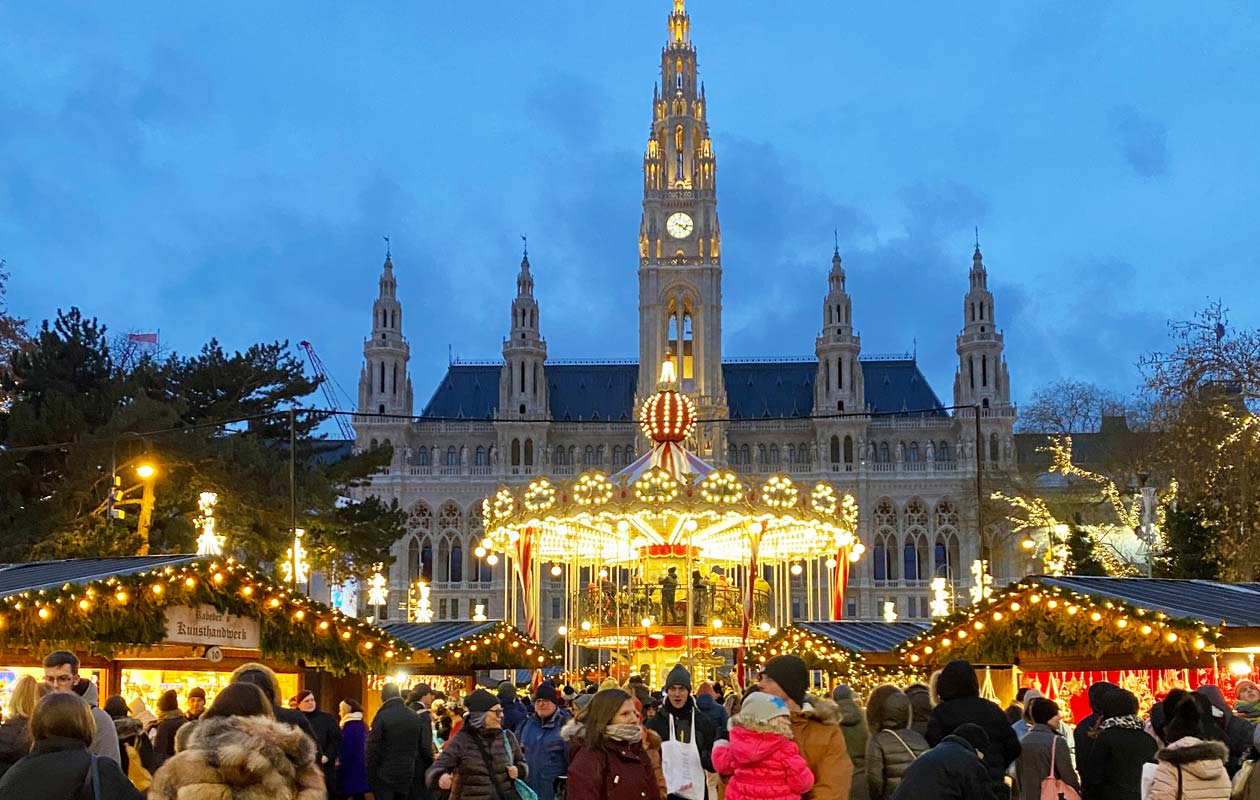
pixel 839 662
pixel 1029 617
pixel 113 614
pixel 500 647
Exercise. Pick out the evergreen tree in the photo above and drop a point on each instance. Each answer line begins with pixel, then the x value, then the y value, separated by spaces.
pixel 1082 559
pixel 1188 547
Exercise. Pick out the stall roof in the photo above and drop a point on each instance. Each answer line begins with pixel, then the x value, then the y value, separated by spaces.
pixel 1212 602
pixel 432 635
pixel 35 575
pixel 865 637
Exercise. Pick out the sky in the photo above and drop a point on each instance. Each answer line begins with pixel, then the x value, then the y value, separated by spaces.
pixel 230 170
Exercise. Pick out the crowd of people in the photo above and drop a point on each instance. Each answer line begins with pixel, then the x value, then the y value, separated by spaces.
pixel 779 739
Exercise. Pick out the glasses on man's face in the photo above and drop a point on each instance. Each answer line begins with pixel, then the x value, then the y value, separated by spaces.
pixel 59 680
pixel 498 711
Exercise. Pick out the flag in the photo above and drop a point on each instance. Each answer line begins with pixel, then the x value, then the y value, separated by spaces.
pixel 144 338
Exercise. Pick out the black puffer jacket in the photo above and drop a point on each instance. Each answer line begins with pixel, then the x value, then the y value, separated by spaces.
pixel 959 692
pixel 57 769
pixel 475 757
pixel 893 745
pixel 949 771
pixel 392 746
pixel 15 741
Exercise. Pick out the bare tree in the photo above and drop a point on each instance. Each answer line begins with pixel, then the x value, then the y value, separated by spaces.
pixel 1065 407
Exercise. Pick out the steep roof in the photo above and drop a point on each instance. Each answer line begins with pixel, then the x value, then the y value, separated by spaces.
pixel 864 636
pixel 32 575
pixel 1212 602
pixel 754 389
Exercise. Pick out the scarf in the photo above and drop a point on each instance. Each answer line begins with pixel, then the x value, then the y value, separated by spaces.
pixel 1131 721
pixel 353 715
pixel 625 733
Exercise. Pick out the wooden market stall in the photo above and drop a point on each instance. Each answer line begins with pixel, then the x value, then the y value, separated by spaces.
pixel 860 654
pixel 144 624
pixel 1060 634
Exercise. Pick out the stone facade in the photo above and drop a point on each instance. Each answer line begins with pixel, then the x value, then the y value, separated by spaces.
pixel 870 425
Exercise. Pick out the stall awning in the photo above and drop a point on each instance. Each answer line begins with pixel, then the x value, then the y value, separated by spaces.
pixel 465 647
pixel 109 606
pixel 866 637
pixel 862 654
pixel 1234 604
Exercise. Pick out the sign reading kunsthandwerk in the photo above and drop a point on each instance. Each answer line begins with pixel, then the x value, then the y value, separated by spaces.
pixel 210 626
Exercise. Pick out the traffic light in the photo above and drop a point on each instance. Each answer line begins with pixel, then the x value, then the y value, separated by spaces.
pixel 115 496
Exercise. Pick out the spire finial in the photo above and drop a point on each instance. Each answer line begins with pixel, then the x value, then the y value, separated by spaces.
pixel 387 247
pixel 525 246
pixel 977 238
pixel 836 233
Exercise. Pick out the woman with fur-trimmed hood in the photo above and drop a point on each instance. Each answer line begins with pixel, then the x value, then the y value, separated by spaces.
pixel 237 749
pixel 1189 768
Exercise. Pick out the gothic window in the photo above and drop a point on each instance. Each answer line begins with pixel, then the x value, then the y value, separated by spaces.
pixel 616 455
pixel 449 517
pixel 839 373
pixel 522 384
pixel 413 561
pixel 744 455
pixel 444 559
pixel 535 385
pixel 516 452
pixel 559 458
pixel 993 447
pixel 599 455
pixel 529 452
pixel 394 383
pixel 456 568
pixel 732 454
pixel 984 370
pixel 944 452
pixel 761 454
pixel 913 454
pixel 774 455
pixel 791 454
pixel 848 449
pixel 588 456
pixel 480 458
pixel 452 457
pixel 382 370
pixel 420 519
pixel 422 456
pixel 884 563
pixel 946 554
pixel 885 514
pixel 916 514
pixel 688 355
pixel 915 556
pixel 883 453
pixel 803 452
pixel 571 455
pixel 426 559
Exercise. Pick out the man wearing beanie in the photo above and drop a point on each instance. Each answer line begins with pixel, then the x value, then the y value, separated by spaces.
pixel 958 691
pixel 675 724
pixel 953 770
pixel 1042 739
pixel 815 726
pixel 196 703
pixel 514 711
pixel 393 747
pixel 545 749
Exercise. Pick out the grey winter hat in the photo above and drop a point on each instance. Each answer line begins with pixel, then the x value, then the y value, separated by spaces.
pixel 678 676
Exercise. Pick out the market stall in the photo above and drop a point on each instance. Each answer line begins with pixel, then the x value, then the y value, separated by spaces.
pixel 1060 634
pixel 144 624
pixel 860 654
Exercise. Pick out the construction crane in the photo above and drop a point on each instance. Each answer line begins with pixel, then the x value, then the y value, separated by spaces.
pixel 328 384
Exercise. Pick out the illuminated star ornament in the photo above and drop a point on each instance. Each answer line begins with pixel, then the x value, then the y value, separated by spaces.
pixel 209 543
pixel 378 588
pixel 296 569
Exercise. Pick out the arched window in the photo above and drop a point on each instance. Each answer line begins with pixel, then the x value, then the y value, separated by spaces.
pixel 744 455
pixel 946 555
pixel 571 455
pixel 732 454
pixel 516 452
pixel 382 377
pixel 616 455
pixel 413 561
pixel 394 382
pixel 422 457
pixel 588 456
pixel 559 457
pixel 993 447
pixel 944 452
pixel 452 457
pixel 915 556
pixel 761 454
pixel 522 384
pixel 444 559
pixel 480 457
pixel 599 455
pixel 883 453
pixel 884 563
pixel 529 452
pixel 774 455
pixel 835 448
pixel 456 564
pixel 791 454
pixel 913 454
pixel 848 449
pixel 426 559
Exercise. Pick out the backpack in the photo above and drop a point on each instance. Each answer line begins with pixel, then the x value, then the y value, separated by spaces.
pixel 136 773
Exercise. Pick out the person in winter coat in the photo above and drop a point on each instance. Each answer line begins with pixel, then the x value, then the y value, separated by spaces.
pixel 609 759
pixel 475 764
pixel 352 782
pixel 760 758
pixel 892 745
pixel 1015 711
pixel 707 702
pixel 1189 768
pixel 264 678
pixel 196 703
pixel 546 752
pixel 61 674
pixel 959 691
pixel 514 711
pixel 1087 728
pixel 680 709
pixel 1237 731
pixel 953 770
pixel 1042 747
pixel 1112 769
pixel 392 746
pixel 59 764
pixel 853 726
pixel 1248 705
pixel 239 750
pixel 1161 712
pixel 170 720
pixel 327 736
pixel 815 726
pixel 15 731
pixel 920 707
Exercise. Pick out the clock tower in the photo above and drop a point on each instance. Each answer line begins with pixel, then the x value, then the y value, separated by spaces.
pixel 680 241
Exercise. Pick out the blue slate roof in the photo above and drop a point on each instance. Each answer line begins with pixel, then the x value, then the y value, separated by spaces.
pixel 430 635
pixel 754 390
pixel 34 575
pixel 1211 602
pixel 866 637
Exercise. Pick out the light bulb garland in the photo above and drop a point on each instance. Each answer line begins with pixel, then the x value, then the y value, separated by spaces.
pixel 839 662
pixel 124 611
pixel 501 646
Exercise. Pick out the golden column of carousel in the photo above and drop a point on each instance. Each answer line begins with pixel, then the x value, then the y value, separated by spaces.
pixel 670 560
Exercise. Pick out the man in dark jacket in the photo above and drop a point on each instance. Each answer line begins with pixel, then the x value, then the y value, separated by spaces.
pixel 960 702
pixel 1238 731
pixel 419 700
pixel 920 707
pixel 514 711
pixel 546 751
pixel 1087 729
pixel 392 747
pixel 680 708
pixel 1112 769
pixel 953 770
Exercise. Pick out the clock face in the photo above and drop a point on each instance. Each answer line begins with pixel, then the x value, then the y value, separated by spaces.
pixel 679 225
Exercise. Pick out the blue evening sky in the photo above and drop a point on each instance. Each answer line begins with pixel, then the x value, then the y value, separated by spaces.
pixel 228 170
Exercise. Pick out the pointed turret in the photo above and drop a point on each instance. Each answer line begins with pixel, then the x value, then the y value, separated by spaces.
pixel 523 384
pixel 838 386
pixel 982 378
pixel 384 385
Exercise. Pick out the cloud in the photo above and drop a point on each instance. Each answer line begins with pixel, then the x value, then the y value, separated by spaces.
pixel 1142 140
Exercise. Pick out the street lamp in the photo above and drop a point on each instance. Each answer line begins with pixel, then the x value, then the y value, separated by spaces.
pixel 148 499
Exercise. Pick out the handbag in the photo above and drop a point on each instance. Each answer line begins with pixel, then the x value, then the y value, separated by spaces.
pixel 1238 790
pixel 680 761
pixel 523 789
pixel 1051 787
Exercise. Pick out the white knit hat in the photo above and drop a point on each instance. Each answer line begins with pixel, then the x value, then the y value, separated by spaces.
pixel 760 708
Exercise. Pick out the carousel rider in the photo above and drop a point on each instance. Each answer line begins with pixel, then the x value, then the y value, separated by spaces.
pixel 669 585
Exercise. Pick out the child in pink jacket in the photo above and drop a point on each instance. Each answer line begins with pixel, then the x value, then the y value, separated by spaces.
pixel 761 757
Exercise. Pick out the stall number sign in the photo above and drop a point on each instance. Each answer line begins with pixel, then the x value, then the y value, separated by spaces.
pixel 209 626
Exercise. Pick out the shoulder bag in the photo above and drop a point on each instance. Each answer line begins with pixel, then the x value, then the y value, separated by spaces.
pixel 523 789
pixel 1054 789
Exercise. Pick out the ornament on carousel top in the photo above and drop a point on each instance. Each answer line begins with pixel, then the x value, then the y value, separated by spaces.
pixel 669 415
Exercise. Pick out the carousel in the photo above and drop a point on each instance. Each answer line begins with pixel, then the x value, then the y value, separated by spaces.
pixel 671 560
